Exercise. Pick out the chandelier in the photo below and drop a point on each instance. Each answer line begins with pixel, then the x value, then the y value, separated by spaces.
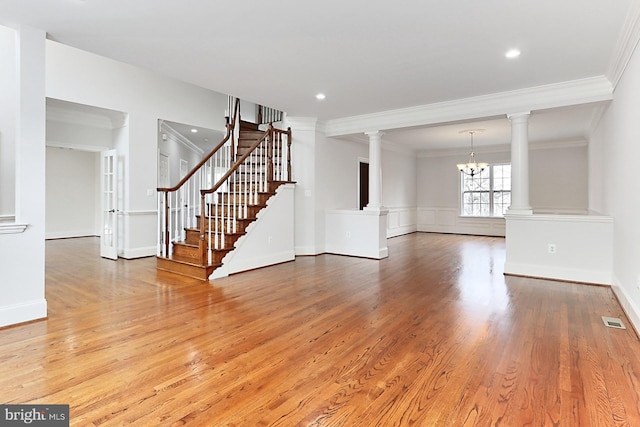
pixel 472 167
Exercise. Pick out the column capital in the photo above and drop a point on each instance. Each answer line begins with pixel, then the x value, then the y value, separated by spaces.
pixel 522 114
pixel 374 133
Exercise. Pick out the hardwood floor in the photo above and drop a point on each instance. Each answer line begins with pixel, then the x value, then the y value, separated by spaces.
pixel 435 335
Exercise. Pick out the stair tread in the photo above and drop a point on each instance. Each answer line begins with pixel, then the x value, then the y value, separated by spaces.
pixel 181 261
pixel 196 230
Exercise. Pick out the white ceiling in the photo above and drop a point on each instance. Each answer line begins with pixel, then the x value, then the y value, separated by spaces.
pixel 367 56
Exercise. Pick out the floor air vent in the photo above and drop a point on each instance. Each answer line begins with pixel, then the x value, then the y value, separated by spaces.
pixel 613 322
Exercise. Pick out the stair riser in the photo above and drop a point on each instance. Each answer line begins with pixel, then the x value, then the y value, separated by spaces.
pixel 241 225
pixel 192 255
pixel 236 198
pixel 197 272
pixel 193 238
pixel 224 211
pixel 187 253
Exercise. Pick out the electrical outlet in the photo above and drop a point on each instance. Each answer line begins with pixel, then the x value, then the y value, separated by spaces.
pixel 551 248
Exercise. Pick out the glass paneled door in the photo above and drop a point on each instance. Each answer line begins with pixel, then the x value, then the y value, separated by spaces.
pixel 109 186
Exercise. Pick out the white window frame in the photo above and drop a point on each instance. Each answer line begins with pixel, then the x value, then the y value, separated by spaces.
pixel 490 192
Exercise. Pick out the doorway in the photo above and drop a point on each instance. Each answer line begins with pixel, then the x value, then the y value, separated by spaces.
pixel 363 184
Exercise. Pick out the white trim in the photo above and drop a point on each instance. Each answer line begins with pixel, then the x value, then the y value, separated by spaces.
pixel 504 148
pixel 142 252
pixel 79 147
pixel 307 251
pixel 12 228
pixel 253 263
pixel 599 277
pixel 560 218
pixel 23 312
pixel 178 137
pixel 574 92
pixel 401 220
pixel 70 234
pixel 448 220
pixel 628 305
pixel 626 44
pixel 303 123
pixel 138 213
pixel 82 114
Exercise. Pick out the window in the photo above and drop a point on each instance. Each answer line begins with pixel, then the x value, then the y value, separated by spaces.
pixel 487 193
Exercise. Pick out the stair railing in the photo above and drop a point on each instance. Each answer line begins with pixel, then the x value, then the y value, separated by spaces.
pixel 178 206
pixel 234 199
pixel 267 115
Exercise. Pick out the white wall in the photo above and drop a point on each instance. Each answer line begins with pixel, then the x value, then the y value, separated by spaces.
pixel 399 190
pixel 582 247
pixel 81 77
pixel 339 166
pixel 558 184
pixel 177 148
pixel 617 141
pixel 269 239
pixel 309 215
pixel 559 178
pixel 22 296
pixel 8 105
pixel 73 182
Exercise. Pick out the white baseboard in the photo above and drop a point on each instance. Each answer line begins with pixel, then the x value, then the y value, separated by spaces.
pixel 629 307
pixel 251 264
pixel 557 273
pixel 70 234
pixel 23 312
pixel 138 252
pixel 399 231
pixel 308 250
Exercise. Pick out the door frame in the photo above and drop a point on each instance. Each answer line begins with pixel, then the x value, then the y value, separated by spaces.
pixel 109 204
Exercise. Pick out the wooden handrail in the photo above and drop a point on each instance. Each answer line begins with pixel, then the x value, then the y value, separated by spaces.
pixel 237 164
pixel 230 128
pixel 238 192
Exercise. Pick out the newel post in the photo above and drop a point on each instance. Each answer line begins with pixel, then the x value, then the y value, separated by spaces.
pixel 202 243
pixel 289 154
pixel 270 155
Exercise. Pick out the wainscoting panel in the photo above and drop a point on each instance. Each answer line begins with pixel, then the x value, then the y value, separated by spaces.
pixel 401 220
pixel 448 220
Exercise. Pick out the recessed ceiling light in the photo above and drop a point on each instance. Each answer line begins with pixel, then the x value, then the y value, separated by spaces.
pixel 194 130
pixel 320 96
pixel 512 53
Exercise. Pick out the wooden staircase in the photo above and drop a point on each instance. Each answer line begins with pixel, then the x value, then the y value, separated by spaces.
pixel 196 235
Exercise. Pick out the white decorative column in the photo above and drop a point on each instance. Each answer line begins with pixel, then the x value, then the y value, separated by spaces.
pixel 519 164
pixel 375 171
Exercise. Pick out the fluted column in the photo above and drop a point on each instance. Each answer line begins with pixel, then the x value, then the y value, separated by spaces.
pixel 519 164
pixel 375 170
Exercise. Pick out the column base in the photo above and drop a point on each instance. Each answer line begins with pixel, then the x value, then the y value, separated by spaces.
pixel 380 209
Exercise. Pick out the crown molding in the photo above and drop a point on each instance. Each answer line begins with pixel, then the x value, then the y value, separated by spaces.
pixel 504 148
pixel 112 120
pixel 626 44
pixel 178 137
pixel 386 144
pixel 78 147
pixel 303 123
pixel 574 92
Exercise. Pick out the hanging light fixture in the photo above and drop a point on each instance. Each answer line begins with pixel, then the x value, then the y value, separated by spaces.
pixel 472 167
